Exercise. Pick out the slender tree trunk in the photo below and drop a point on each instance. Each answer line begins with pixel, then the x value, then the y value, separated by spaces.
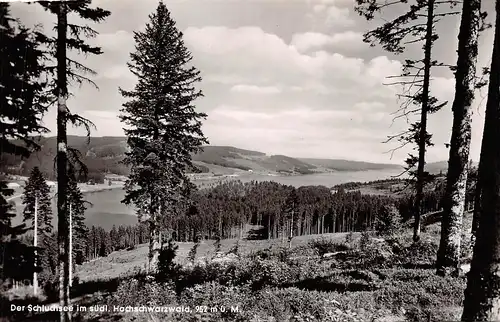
pixel 291 232
pixel 70 246
pixel 479 184
pixel 268 227
pixel 423 120
pixel 151 250
pixel 35 244
pixel 482 295
pixel 448 260
pixel 62 161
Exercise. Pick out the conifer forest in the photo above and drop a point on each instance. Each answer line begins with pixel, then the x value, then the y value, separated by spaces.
pixel 132 187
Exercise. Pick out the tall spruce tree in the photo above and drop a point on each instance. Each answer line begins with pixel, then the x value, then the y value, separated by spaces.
pixel 37 194
pixel 163 127
pixel 289 215
pixel 448 258
pixel 482 295
pixel 18 258
pixel 416 25
pixel 78 208
pixel 67 70
pixel 23 97
pixel 22 104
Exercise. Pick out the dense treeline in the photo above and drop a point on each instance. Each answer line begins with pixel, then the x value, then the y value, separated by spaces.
pixel 224 211
pixel 280 210
pixel 101 243
pixel 378 184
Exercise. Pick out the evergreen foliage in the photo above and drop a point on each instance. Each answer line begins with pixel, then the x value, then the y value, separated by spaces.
pixel 416 25
pixel 23 97
pixel 18 259
pixel 38 192
pixel 80 230
pixel 21 107
pixel 166 265
pixel 389 221
pixel 163 127
pixel 63 72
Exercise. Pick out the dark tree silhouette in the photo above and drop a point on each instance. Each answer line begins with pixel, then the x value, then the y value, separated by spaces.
pixel 415 25
pixel 37 194
pixel 482 293
pixel 163 127
pixel 67 70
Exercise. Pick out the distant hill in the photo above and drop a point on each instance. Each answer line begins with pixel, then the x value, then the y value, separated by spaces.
pixel 104 155
pixel 439 167
pixel 347 165
pixel 230 157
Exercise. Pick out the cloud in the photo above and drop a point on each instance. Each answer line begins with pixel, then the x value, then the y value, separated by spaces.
pixel 253 89
pixel 118 41
pixel 314 40
pixel 250 55
pixel 336 16
pixel 301 130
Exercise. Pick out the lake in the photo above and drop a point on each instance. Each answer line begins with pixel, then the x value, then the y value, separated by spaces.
pixel 107 209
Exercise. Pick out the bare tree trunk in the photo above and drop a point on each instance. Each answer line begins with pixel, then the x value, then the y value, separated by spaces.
pixel 151 249
pixel 62 161
pixel 482 295
pixel 35 244
pixel 479 184
pixel 448 259
pixel 70 247
pixel 423 120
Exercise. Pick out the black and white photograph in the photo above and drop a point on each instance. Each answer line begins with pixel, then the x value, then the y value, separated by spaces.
pixel 250 160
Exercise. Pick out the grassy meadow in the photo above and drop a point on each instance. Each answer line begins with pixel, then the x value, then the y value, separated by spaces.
pixel 330 277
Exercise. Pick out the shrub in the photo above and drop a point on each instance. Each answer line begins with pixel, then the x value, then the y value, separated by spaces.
pixel 293 304
pixel 231 302
pixel 421 253
pixel 166 266
pixel 364 241
pixel 235 249
pixel 192 252
pixel 349 238
pixel 324 246
pixel 388 221
pixel 217 244
pixel 137 292
pixel 262 254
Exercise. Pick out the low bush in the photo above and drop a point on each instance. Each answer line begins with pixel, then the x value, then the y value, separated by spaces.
pixel 324 246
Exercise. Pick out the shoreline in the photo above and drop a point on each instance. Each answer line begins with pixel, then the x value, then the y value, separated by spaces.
pixel 86 188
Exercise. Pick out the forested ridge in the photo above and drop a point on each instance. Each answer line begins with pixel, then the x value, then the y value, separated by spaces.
pixel 225 210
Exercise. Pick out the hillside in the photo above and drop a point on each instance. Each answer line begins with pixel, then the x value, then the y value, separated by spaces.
pixel 347 165
pixel 440 167
pixel 104 155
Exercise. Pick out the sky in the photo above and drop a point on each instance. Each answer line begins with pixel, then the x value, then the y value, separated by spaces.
pixel 290 77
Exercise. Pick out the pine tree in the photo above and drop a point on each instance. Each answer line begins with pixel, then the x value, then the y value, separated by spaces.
pixel 388 221
pixel 482 295
pixel 37 194
pixel 416 25
pixel 22 102
pixel 18 258
pixel 163 125
pixel 289 214
pixel 79 229
pixel 23 97
pixel 67 70
pixel 448 258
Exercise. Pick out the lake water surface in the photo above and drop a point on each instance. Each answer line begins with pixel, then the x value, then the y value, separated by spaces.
pixel 107 209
